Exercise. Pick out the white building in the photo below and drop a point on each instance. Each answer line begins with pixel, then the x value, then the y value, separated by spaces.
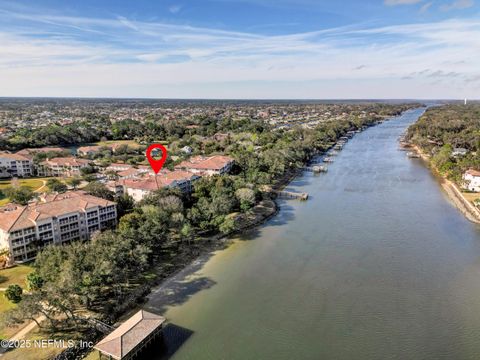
pixel 472 180
pixel 58 219
pixel 15 165
pixel 65 166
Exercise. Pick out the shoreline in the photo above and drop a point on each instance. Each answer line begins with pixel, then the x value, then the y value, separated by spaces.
pixel 163 286
pixel 163 289
pixel 451 189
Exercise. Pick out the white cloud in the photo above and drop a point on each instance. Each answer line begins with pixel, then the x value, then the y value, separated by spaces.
pixel 175 8
pixel 458 5
pixel 425 7
pixel 166 60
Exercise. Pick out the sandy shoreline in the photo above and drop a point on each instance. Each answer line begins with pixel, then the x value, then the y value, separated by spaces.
pixel 453 192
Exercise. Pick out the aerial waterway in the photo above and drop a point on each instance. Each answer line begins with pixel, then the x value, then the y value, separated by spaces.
pixel 377 264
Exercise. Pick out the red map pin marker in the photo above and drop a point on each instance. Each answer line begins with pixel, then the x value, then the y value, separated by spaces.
pixel 154 163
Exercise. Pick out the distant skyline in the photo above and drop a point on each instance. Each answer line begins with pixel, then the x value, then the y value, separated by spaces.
pixel 241 49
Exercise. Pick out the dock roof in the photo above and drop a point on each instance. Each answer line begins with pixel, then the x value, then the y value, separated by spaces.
pixel 121 341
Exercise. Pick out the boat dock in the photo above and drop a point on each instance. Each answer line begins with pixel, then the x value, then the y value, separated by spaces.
pixel 315 168
pixel 292 195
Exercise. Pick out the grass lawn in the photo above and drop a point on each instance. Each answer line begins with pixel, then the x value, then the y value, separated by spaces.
pixel 36 184
pixel 92 355
pixel 5 304
pixel 33 353
pixel 471 196
pixel 48 352
pixel 14 275
pixel 123 142
pixel 32 183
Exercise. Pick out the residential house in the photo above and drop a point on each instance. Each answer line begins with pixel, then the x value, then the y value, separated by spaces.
pixel 459 152
pixel 90 150
pixel 472 180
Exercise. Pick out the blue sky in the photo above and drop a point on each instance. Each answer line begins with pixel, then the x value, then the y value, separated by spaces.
pixel 241 48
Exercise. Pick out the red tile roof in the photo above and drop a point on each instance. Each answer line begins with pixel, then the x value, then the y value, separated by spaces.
pixel 65 161
pixel 16 157
pixel 215 162
pixel 14 217
pixel 473 172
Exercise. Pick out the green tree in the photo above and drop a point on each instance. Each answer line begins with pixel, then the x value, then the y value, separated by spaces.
pixel 74 182
pixel 21 195
pixel 246 197
pixel 227 226
pixel 14 293
pixel 98 189
pixel 125 204
pixel 56 185
pixel 34 281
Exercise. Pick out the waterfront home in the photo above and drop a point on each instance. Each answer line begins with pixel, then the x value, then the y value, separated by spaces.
pixel 472 180
pixel 15 165
pixel 459 152
pixel 65 166
pixel 55 219
pixel 213 165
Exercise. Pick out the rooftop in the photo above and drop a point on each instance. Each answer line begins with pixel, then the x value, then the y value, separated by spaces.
pixel 14 217
pixel 215 162
pixel 17 157
pixel 120 342
pixel 65 161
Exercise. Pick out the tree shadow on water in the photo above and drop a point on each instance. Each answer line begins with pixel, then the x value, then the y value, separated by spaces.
pixel 177 290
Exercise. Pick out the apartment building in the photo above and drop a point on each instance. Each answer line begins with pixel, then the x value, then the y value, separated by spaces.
pixel 65 166
pixel 15 165
pixel 213 165
pixel 140 187
pixel 56 219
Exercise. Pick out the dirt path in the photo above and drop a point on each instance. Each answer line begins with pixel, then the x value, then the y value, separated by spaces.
pixel 41 187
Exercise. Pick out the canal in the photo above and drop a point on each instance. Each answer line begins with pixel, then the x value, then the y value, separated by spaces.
pixel 377 264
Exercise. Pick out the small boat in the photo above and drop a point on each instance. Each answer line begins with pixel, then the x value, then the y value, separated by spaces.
pixel 413 155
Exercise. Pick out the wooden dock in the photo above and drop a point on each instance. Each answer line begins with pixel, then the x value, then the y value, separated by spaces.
pixel 292 195
pixel 315 168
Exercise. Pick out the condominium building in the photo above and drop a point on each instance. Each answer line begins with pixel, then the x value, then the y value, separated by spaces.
pixel 65 166
pixel 56 219
pixel 213 165
pixel 140 187
pixel 15 165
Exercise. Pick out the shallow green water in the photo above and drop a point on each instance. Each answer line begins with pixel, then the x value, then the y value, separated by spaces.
pixel 377 264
